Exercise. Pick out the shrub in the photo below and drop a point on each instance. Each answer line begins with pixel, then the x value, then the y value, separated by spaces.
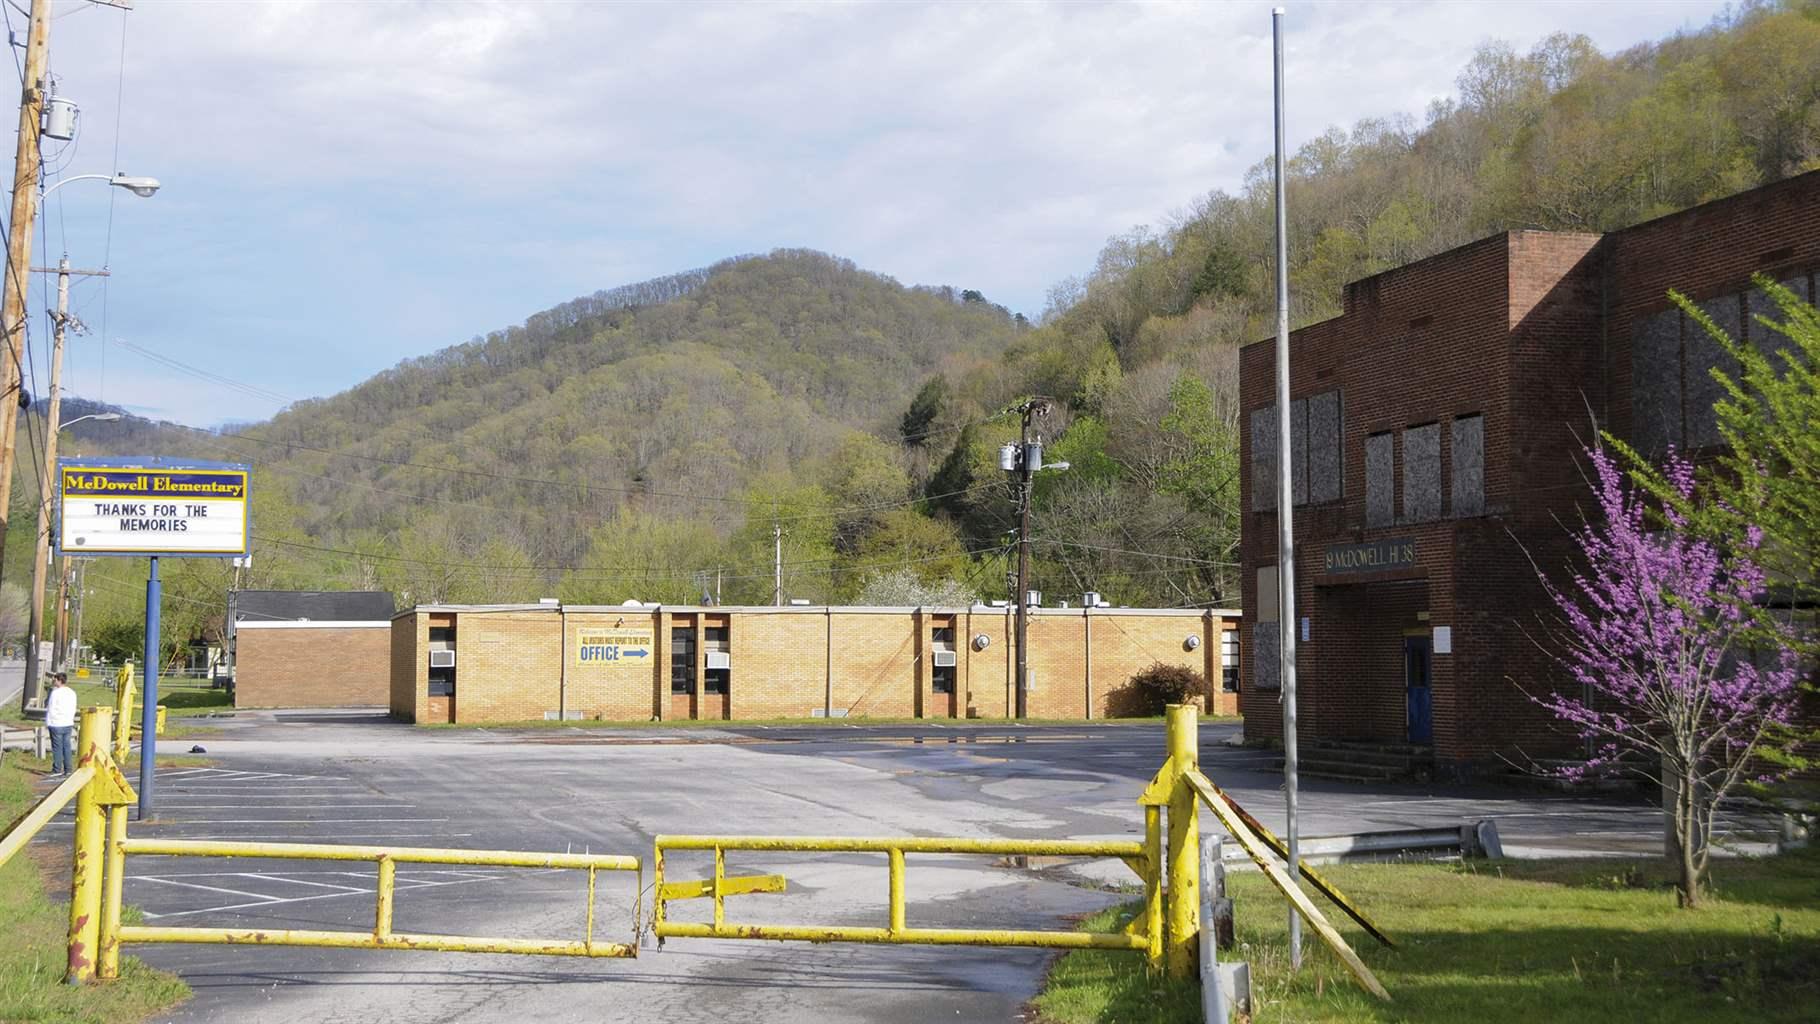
pixel 1151 691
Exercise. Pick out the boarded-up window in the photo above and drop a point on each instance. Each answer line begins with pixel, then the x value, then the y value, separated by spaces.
pixel 1768 340
pixel 1703 355
pixel 1298 451
pixel 1655 375
pixel 1422 473
pixel 1380 480
pixel 1468 466
pixel 1314 457
pixel 1264 459
pixel 1266 610
pixel 1265 645
pixel 1324 470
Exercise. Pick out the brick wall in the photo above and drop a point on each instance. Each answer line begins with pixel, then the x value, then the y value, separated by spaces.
pixel 780 660
pixel 510 663
pixel 297 666
pixel 409 671
pixel 1537 333
pixel 620 690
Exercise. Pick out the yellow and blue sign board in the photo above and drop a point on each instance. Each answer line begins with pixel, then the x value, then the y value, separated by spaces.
pixel 151 506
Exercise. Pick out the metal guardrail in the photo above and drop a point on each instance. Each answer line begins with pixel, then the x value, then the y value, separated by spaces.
pixel 1168 930
pixel 1142 857
pixel 382 936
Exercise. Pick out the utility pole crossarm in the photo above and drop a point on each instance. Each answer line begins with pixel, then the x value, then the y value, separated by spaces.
pixel 73 271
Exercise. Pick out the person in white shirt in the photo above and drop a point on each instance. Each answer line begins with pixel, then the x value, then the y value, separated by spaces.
pixel 60 718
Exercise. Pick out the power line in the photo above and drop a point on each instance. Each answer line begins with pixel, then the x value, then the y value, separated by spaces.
pixel 817 566
pixel 822 511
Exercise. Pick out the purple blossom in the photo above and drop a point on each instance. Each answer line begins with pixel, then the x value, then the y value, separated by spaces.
pixel 1656 630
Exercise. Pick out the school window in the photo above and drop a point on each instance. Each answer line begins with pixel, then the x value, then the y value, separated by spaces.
pixel 942 677
pixel 1380 479
pixel 682 659
pixel 442 677
pixel 1422 473
pixel 1468 489
pixel 714 641
pixel 1229 661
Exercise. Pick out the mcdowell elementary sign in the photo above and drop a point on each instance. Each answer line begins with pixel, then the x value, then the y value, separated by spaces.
pixel 150 506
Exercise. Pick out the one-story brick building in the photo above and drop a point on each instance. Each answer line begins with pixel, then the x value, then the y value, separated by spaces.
pixel 306 648
pixel 1438 423
pixel 503 663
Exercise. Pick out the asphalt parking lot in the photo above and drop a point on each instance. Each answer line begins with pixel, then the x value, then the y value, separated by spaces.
pixel 353 778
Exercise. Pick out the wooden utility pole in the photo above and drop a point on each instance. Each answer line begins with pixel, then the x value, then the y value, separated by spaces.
pixel 52 426
pixel 1028 462
pixel 19 256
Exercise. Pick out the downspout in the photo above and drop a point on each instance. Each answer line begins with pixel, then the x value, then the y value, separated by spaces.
pixel 562 674
pixel 828 667
pixel 1087 666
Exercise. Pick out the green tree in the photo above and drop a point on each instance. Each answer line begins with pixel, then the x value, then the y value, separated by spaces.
pixel 642 557
pixel 930 401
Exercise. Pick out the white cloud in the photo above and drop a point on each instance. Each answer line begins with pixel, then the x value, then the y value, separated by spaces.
pixel 481 161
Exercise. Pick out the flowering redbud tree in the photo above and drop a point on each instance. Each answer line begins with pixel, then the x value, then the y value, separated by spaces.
pixel 1655 626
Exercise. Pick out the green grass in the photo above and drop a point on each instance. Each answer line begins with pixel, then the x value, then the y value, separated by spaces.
pixel 32 936
pixel 1506 941
pixel 182 698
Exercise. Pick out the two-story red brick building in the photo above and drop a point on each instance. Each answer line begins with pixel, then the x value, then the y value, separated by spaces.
pixel 1438 427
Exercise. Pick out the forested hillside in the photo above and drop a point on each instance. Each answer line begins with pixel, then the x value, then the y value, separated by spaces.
pixel 646 442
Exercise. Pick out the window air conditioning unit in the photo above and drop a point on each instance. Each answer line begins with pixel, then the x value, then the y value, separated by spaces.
pixel 719 659
pixel 442 659
pixel 944 659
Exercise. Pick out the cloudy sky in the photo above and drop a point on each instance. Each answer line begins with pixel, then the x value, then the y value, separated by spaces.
pixel 350 184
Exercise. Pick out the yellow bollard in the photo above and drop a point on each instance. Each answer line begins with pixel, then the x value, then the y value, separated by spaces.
pixel 1153 887
pixel 113 874
pixel 1183 856
pixel 86 865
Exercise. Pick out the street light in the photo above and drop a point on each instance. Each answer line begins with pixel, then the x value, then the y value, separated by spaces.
pixel 104 417
pixel 138 186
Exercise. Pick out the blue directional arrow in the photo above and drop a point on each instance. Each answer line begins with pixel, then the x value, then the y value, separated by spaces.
pixel 638 654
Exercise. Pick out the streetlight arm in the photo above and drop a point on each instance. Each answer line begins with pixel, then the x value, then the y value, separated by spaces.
pixel 103 416
pixel 80 177
pixel 137 186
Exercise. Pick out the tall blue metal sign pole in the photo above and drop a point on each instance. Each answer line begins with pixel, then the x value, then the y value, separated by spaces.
pixel 151 508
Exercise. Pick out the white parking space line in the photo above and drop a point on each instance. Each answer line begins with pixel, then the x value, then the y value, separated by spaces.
pixel 297 821
pixel 404 883
pixel 198 885
pixel 338 835
pixel 288 807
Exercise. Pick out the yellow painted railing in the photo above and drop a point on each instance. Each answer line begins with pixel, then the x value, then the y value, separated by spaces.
pixel 1143 858
pixel 382 936
pixel 1168 930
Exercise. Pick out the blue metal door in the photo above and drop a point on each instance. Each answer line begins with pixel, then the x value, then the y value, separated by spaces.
pixel 1416 679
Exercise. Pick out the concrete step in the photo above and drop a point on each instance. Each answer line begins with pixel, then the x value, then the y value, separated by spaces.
pixel 1331 768
pixel 1372 746
pixel 1381 758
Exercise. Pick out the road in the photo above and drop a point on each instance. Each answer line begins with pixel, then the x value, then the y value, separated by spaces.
pixel 337 777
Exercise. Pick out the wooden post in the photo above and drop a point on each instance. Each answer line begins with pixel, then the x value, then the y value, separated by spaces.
pixel 19 260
